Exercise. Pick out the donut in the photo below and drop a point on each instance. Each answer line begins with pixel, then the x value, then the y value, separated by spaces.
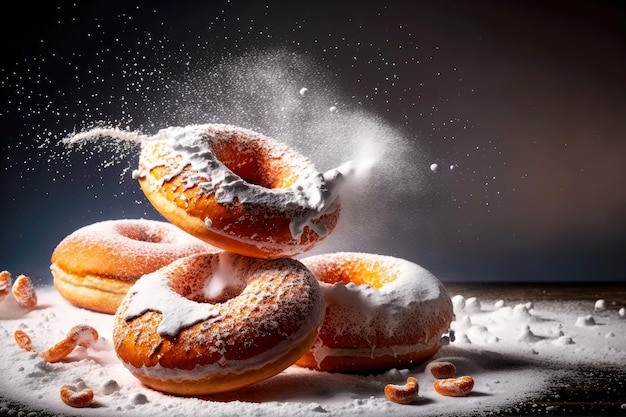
pixel 239 190
pixel 212 323
pixel 95 265
pixel 382 312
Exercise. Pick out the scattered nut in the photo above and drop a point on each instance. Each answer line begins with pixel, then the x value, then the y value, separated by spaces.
pixel 75 398
pixel 80 335
pixel 454 387
pixel 23 340
pixel 5 284
pixel 442 370
pixel 402 394
pixel 24 292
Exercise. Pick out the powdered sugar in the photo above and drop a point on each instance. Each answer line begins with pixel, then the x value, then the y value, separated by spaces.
pixel 143 244
pixel 275 306
pixel 78 139
pixel 400 309
pixel 177 311
pixel 506 372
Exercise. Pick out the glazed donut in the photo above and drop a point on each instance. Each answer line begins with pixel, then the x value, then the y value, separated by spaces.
pixel 381 313
pixel 96 265
pixel 212 323
pixel 238 190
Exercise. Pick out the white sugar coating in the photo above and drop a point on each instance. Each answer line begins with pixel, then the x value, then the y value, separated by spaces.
pixel 116 233
pixel 5 282
pixel 178 312
pixel 372 310
pixel 308 198
pixel 506 373
pixel 153 292
pixel 99 132
pixel 147 244
pixel 404 309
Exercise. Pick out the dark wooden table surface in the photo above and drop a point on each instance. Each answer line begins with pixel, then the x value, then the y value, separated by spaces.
pixel 594 391
pixel 614 293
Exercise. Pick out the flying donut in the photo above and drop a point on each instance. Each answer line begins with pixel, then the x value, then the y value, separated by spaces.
pixel 95 265
pixel 238 190
pixel 212 323
pixel 382 312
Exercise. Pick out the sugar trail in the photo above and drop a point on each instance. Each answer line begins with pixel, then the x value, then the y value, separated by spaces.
pixel 269 99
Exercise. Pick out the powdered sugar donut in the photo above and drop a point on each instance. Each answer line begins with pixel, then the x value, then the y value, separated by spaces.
pixel 381 312
pixel 211 323
pixel 238 190
pixel 96 265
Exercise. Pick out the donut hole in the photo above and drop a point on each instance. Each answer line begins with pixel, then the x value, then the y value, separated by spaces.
pixel 141 234
pixel 205 280
pixel 372 273
pixel 253 162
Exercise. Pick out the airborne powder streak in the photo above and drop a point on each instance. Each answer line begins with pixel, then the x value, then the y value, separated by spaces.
pixel 100 132
pixel 269 100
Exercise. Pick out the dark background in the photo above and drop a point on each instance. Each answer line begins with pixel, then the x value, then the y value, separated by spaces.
pixel 525 100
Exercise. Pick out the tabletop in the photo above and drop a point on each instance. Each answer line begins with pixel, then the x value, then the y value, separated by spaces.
pixel 594 391
pixel 589 391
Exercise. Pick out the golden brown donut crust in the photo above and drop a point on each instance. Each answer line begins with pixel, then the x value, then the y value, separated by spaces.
pixel 90 291
pixel 354 363
pixel 250 228
pixel 266 324
pixel 382 330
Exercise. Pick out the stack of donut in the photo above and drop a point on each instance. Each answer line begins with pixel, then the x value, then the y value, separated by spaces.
pixel 234 307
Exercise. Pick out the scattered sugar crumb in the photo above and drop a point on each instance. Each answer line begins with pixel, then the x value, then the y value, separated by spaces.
pixel 512 352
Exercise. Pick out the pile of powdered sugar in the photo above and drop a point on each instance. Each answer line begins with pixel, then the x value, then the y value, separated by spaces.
pixel 513 352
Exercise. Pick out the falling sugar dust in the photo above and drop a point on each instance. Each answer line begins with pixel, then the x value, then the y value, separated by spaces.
pixel 513 351
pixel 288 98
